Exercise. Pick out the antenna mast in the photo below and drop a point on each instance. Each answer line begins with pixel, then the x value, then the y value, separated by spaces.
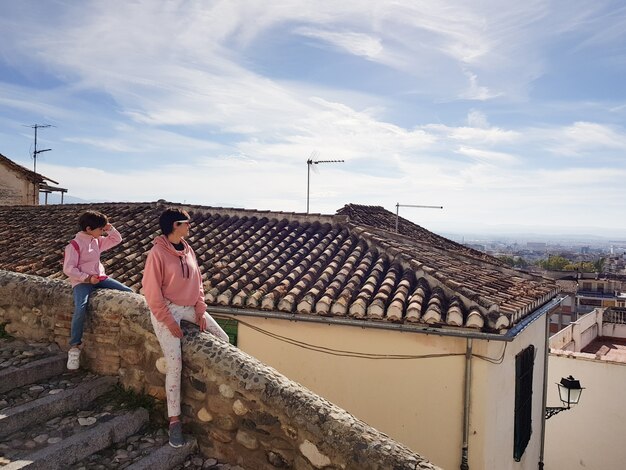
pixel 310 162
pixel 35 151
pixel 398 205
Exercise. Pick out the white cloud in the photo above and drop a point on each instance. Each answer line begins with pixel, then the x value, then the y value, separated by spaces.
pixel 583 138
pixel 476 135
pixel 477 119
pixel 354 43
pixel 487 156
pixel 476 92
pixel 112 145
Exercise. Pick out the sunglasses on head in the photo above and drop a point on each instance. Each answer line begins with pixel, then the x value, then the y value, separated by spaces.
pixel 181 222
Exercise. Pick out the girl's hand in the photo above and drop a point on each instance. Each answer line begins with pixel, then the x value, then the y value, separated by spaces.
pixel 107 227
pixel 203 323
pixel 94 280
pixel 174 329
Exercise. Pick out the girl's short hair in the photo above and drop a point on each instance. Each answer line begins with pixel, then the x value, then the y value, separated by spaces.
pixel 169 216
pixel 92 220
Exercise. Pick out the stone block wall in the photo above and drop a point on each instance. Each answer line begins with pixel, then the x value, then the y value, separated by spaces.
pixel 15 188
pixel 239 409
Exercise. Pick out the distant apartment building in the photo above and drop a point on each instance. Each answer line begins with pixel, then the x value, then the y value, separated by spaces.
pixel 605 291
pixel 537 246
pixel 585 292
pixel 565 314
pixel 616 263
pixel 477 246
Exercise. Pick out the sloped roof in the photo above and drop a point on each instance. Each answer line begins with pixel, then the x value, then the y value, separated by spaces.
pixel 290 263
pixel 379 217
pixel 28 174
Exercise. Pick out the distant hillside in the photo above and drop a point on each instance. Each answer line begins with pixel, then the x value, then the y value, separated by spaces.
pixel 55 198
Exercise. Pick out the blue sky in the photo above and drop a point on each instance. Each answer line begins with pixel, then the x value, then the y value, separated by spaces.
pixel 504 112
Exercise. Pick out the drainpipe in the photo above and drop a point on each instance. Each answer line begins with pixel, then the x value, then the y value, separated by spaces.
pixel 544 392
pixel 466 404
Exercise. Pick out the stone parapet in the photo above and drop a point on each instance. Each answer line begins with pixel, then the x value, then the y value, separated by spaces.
pixel 238 408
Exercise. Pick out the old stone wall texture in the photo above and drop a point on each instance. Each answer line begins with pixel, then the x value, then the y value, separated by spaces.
pixel 14 188
pixel 238 408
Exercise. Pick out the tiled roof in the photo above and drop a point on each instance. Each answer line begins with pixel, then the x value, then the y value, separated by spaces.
pixel 297 264
pixel 30 175
pixel 379 217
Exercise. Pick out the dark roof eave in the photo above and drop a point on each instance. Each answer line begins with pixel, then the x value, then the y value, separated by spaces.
pixel 422 329
pixel 30 175
pixel 544 309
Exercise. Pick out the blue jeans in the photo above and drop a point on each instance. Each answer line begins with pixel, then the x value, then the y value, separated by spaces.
pixel 81 300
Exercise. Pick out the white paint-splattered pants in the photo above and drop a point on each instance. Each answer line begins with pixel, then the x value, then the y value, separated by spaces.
pixel 172 352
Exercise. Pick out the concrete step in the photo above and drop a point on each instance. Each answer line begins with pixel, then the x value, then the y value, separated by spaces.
pixel 47 407
pixel 51 418
pixel 165 457
pixel 14 377
pixel 78 446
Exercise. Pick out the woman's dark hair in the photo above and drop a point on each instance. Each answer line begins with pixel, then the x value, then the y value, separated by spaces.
pixel 169 216
pixel 92 220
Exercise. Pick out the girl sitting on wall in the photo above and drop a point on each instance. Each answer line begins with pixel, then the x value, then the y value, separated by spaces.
pixel 82 265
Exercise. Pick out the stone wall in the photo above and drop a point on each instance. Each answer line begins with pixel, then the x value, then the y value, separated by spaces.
pixel 15 189
pixel 238 408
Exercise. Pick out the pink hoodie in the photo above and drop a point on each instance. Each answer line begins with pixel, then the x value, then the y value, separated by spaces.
pixel 79 264
pixel 173 276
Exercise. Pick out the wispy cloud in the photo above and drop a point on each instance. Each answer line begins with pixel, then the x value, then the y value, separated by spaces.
pixel 478 135
pixel 487 156
pixel 477 92
pixel 581 138
pixel 354 43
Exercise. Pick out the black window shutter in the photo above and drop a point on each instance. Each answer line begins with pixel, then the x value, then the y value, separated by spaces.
pixel 524 362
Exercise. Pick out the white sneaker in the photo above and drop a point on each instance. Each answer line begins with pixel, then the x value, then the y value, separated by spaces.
pixel 73 358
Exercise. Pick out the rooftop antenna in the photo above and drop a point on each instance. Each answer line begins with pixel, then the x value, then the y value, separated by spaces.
pixel 310 162
pixel 35 151
pixel 398 206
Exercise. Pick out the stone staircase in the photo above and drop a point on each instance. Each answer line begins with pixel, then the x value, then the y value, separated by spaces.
pixel 51 418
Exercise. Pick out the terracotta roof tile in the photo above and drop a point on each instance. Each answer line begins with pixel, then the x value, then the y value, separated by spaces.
pixel 295 263
pixel 379 217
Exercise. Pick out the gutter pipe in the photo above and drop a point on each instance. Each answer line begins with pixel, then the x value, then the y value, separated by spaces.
pixel 544 394
pixel 466 404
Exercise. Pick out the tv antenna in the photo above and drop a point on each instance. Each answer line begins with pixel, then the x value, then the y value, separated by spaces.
pixel 398 206
pixel 35 151
pixel 310 162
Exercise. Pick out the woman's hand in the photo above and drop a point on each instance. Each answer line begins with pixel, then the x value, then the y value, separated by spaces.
pixel 174 328
pixel 206 323
pixel 203 323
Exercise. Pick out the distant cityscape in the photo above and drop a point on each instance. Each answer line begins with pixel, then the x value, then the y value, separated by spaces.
pixel 601 255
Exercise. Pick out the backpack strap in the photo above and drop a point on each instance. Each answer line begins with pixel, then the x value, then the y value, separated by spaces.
pixel 74 243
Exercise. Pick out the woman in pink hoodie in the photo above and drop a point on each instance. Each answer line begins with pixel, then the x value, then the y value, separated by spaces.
pixel 172 286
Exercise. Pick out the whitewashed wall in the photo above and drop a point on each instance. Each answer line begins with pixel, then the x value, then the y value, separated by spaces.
pixel 589 436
